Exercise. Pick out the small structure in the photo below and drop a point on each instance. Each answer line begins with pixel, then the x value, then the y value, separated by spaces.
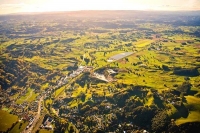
pixel 110 71
pixel 99 76
pixel 119 56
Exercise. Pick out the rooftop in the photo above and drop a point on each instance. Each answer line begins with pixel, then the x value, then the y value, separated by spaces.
pixel 119 56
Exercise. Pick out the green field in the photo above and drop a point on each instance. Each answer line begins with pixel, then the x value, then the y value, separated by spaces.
pixel 19 127
pixel 7 120
pixel 29 97
pixel 194 116
pixel 159 80
pixel 45 131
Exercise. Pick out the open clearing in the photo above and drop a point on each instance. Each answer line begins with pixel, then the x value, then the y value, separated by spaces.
pixel 7 120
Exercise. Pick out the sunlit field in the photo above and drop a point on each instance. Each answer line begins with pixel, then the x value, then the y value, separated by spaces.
pixel 58 73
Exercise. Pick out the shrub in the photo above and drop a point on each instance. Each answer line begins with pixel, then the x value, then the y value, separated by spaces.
pixel 186 72
pixel 185 87
pixel 165 68
pixel 160 122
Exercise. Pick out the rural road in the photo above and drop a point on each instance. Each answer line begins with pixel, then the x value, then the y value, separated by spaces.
pixel 29 130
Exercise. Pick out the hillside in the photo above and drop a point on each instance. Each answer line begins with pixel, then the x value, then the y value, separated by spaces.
pixel 100 71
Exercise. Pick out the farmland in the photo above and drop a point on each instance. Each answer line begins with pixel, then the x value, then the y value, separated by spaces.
pixel 7 120
pixel 58 66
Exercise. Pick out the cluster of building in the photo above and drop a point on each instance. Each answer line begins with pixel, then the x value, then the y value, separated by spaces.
pixel 64 80
pixel 110 71
pixel 34 106
pixel 80 70
pixel 103 77
pixel 21 109
pixel 99 76
pixel 30 123
pixel 47 123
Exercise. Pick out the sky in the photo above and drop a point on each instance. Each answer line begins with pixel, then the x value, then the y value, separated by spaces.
pixel 16 6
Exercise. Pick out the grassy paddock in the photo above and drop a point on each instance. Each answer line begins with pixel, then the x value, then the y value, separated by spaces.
pixel 45 131
pixel 193 116
pixel 194 113
pixel 6 120
pixel 17 128
pixel 30 96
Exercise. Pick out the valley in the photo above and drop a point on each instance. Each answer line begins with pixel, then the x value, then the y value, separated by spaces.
pixel 100 71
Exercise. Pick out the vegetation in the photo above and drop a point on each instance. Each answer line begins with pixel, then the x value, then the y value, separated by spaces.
pixel 57 66
pixel 7 121
pixel 19 127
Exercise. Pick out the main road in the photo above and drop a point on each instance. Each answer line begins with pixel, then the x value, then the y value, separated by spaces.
pixel 29 130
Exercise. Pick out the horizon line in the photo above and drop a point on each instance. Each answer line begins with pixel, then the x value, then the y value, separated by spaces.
pixel 145 10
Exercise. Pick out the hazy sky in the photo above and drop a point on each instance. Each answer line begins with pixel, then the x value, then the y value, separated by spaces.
pixel 13 6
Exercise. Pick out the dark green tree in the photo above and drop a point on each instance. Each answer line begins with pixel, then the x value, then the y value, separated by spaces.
pixel 160 122
pixel 185 87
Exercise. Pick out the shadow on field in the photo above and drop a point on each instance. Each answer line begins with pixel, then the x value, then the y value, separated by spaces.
pixel 182 110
